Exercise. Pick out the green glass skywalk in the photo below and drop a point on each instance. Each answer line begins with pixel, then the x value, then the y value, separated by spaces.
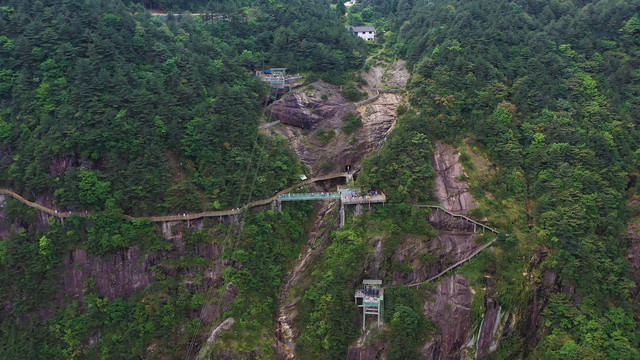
pixel 309 196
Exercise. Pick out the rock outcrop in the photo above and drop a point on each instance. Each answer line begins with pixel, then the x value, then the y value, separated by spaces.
pixel 452 193
pixel 224 326
pixel 116 275
pixel 365 349
pixel 4 230
pixel 450 310
pixel 320 108
pixel 393 76
pixel 430 258
pixel 128 270
pixel 450 307
pixel 210 312
pixel 305 109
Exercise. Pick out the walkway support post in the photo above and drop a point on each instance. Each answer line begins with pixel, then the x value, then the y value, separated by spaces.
pixel 342 215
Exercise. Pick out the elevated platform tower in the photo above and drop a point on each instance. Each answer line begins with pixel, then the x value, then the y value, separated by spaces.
pixel 371 299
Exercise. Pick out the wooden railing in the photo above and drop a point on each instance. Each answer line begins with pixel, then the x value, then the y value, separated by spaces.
pixel 459 216
pixel 466 258
pixel 183 216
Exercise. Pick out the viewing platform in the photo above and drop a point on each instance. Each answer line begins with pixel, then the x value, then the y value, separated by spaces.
pixel 353 197
pixel 183 16
pixel 277 77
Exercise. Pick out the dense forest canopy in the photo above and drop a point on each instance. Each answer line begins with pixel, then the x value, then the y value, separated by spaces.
pixel 107 108
pixel 154 115
pixel 551 89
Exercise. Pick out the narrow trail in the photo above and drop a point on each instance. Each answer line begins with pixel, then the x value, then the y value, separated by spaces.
pixel 473 254
pixel 366 61
pixel 469 257
pixel 185 216
pixel 459 216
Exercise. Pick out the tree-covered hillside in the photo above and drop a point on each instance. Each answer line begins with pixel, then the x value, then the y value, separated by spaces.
pixel 105 108
pixel 105 104
pixel 108 109
pixel 551 90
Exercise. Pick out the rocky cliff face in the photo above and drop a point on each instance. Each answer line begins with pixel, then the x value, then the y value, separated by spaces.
pixel 308 107
pixel 115 276
pixel 365 348
pixel 320 107
pixel 4 230
pixel 449 304
pixel 122 273
pixel 449 247
pixel 450 310
pixel 452 193
pixel 496 325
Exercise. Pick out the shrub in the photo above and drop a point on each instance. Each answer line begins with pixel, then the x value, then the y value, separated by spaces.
pixel 401 110
pixel 352 93
pixel 325 135
pixel 352 121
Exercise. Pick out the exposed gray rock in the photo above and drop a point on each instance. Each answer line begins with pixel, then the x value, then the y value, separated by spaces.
pixel 306 108
pixel 488 328
pixel 378 119
pixel 529 327
pixel 114 276
pixel 452 193
pixel 59 164
pixel 365 349
pixel 128 270
pixel 448 248
pixel 45 199
pixel 633 234
pixel 4 229
pixel 450 310
pixel 393 76
pixel 211 311
pixel 225 326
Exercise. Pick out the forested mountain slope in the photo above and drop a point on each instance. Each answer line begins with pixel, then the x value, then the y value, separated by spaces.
pixel 108 109
pixel 160 116
pixel 551 90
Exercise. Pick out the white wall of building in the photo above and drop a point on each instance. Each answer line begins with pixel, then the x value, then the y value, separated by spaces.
pixel 367 35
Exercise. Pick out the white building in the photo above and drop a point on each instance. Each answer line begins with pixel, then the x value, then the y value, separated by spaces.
pixel 366 32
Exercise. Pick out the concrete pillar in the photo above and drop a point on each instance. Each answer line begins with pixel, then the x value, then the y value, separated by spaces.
pixel 342 215
pixel 278 206
pixel 364 315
